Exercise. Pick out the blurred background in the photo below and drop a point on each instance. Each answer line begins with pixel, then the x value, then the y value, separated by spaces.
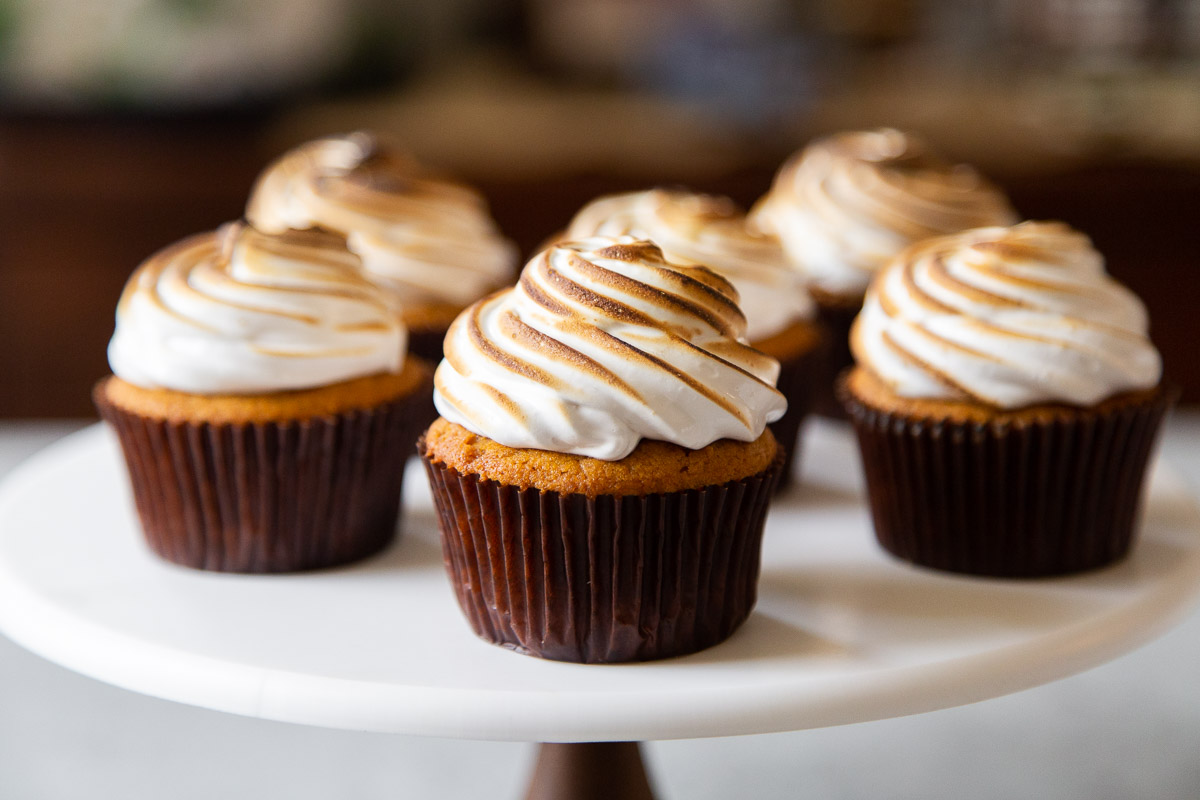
pixel 125 124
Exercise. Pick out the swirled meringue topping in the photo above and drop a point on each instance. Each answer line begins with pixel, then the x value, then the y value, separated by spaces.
pixel 703 229
pixel 1005 317
pixel 847 204
pixel 426 239
pixel 237 311
pixel 603 343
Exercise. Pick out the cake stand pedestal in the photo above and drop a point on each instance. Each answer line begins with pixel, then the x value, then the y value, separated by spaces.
pixel 842 633
pixel 589 771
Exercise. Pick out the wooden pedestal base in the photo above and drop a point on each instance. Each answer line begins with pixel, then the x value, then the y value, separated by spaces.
pixel 590 771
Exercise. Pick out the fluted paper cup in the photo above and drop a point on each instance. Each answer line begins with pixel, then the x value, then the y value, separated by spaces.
pixel 836 315
pixel 267 497
pixel 427 344
pixel 797 378
pixel 1019 499
pixel 602 579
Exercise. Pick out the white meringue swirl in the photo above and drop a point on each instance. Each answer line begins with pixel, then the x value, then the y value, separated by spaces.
pixel 703 229
pixel 845 205
pixel 237 311
pixel 1005 317
pixel 428 240
pixel 603 343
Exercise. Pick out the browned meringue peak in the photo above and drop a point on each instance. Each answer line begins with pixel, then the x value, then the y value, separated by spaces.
pixel 847 203
pixel 359 173
pixel 426 238
pixel 601 343
pixel 710 230
pixel 675 297
pixel 239 311
pixel 1006 317
pixel 690 228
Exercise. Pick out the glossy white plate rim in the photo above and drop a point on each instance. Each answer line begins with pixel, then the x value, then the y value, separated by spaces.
pixel 842 634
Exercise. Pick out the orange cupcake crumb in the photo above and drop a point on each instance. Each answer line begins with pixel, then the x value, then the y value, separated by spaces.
pixel 365 392
pixel 872 392
pixel 653 467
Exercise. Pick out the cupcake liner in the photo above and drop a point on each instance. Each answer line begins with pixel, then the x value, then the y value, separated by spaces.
pixel 267 497
pixel 836 318
pixel 602 579
pixel 796 379
pixel 427 344
pixel 1019 499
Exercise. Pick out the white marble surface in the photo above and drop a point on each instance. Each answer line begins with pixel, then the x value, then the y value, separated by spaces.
pixel 1128 729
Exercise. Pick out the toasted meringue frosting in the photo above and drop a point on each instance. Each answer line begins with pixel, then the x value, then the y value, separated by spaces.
pixel 237 311
pixel 603 343
pixel 424 238
pixel 845 205
pixel 1005 317
pixel 711 231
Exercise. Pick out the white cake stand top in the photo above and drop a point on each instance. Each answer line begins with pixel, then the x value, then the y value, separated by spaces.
pixel 842 633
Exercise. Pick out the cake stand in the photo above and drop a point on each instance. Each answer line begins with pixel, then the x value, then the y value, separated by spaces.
pixel 842 633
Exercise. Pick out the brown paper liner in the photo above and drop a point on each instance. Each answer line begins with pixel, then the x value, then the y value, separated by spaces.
pixel 268 497
pixel 1038 497
pixel 427 344
pixel 796 381
pixel 836 316
pixel 604 579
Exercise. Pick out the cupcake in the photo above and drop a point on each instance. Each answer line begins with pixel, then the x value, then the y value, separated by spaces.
pixel 1006 399
pixel 847 204
pixel 263 401
pixel 702 229
pixel 429 241
pixel 602 467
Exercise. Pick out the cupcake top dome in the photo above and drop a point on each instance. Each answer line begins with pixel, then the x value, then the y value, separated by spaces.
pixel 1005 317
pixel 703 229
pixel 847 203
pixel 237 311
pixel 602 343
pixel 426 239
